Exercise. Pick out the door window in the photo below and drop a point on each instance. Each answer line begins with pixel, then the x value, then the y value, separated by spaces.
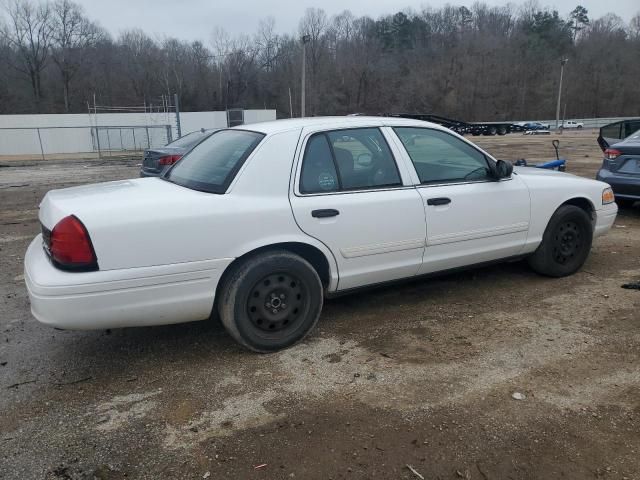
pixel 318 168
pixel 439 157
pixel 343 160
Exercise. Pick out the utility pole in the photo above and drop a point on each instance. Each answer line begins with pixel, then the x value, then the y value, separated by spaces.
pixel 177 105
pixel 562 63
pixel 290 104
pixel 305 39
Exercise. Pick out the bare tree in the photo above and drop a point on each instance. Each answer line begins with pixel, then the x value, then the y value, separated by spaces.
pixel 29 33
pixel 476 63
pixel 634 27
pixel 315 24
pixel 74 37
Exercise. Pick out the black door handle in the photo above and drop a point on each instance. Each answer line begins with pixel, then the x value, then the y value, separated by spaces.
pixel 324 213
pixel 439 201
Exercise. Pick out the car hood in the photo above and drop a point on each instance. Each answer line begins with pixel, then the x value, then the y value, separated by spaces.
pixel 131 221
pixel 550 184
pixel 533 171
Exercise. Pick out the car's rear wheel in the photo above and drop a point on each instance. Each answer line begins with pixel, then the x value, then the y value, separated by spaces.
pixel 565 244
pixel 271 301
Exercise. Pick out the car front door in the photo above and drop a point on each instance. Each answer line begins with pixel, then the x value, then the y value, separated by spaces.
pixel 350 193
pixel 471 218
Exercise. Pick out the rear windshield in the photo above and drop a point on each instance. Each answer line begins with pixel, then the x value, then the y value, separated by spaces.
pixel 189 140
pixel 211 165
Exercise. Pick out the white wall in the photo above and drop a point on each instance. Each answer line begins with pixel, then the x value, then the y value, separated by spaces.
pixel 14 141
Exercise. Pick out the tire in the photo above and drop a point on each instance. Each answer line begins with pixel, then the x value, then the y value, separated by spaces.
pixel 271 301
pixel 565 244
pixel 493 131
pixel 579 127
pixel 502 130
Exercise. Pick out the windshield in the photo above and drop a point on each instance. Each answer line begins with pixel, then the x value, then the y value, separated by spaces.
pixel 189 140
pixel 211 165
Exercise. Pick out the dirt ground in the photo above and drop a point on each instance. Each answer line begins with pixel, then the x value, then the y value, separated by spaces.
pixel 418 375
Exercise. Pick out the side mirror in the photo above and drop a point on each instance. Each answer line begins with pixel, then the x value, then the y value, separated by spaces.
pixel 503 169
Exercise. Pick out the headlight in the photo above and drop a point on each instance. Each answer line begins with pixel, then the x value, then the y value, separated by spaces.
pixel 607 196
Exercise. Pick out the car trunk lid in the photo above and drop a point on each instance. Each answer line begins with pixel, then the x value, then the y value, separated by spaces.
pixel 625 164
pixel 151 158
pixel 128 219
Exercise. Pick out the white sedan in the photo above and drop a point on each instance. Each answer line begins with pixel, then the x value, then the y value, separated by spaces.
pixel 260 223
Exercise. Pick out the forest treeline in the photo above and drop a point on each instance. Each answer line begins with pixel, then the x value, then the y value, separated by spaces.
pixel 477 63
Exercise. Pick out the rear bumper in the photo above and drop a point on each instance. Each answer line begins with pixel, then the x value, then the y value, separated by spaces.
pixel 132 297
pixel 604 219
pixel 624 186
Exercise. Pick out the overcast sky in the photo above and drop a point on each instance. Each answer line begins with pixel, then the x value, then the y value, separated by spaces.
pixel 195 19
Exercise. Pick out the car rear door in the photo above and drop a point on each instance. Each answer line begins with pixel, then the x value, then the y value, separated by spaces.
pixel 471 218
pixel 352 194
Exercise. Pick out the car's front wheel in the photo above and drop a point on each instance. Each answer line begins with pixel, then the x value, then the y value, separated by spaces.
pixel 271 301
pixel 565 244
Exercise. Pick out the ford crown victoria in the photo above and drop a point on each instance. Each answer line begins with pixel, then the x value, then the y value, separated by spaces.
pixel 259 223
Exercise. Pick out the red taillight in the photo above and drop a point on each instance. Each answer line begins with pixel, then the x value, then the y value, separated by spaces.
pixel 612 153
pixel 169 159
pixel 70 246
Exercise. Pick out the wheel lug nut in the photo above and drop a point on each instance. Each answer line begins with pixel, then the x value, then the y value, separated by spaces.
pixel 268 305
pixel 275 310
pixel 284 305
pixel 282 296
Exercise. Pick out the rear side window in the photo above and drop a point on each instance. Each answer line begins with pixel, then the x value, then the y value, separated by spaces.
pixel 212 164
pixel 343 160
pixel 318 168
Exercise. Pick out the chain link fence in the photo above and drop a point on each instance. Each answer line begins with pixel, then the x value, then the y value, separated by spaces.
pixel 81 142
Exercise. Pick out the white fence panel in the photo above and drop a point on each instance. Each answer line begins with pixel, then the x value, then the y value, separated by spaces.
pixel 19 133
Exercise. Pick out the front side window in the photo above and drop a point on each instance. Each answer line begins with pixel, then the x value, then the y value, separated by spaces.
pixel 342 160
pixel 212 165
pixel 439 157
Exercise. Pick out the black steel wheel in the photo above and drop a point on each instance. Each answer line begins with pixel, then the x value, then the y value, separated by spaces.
pixel 565 244
pixel 271 301
pixel 276 302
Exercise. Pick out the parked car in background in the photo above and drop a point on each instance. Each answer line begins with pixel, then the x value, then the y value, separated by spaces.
pixel 621 169
pixel 568 124
pixel 261 224
pixel 157 160
pixel 535 126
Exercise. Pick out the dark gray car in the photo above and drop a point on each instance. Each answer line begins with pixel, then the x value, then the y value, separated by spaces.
pixel 157 160
pixel 621 169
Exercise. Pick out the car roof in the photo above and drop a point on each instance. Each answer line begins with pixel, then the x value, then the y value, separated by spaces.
pixel 277 126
